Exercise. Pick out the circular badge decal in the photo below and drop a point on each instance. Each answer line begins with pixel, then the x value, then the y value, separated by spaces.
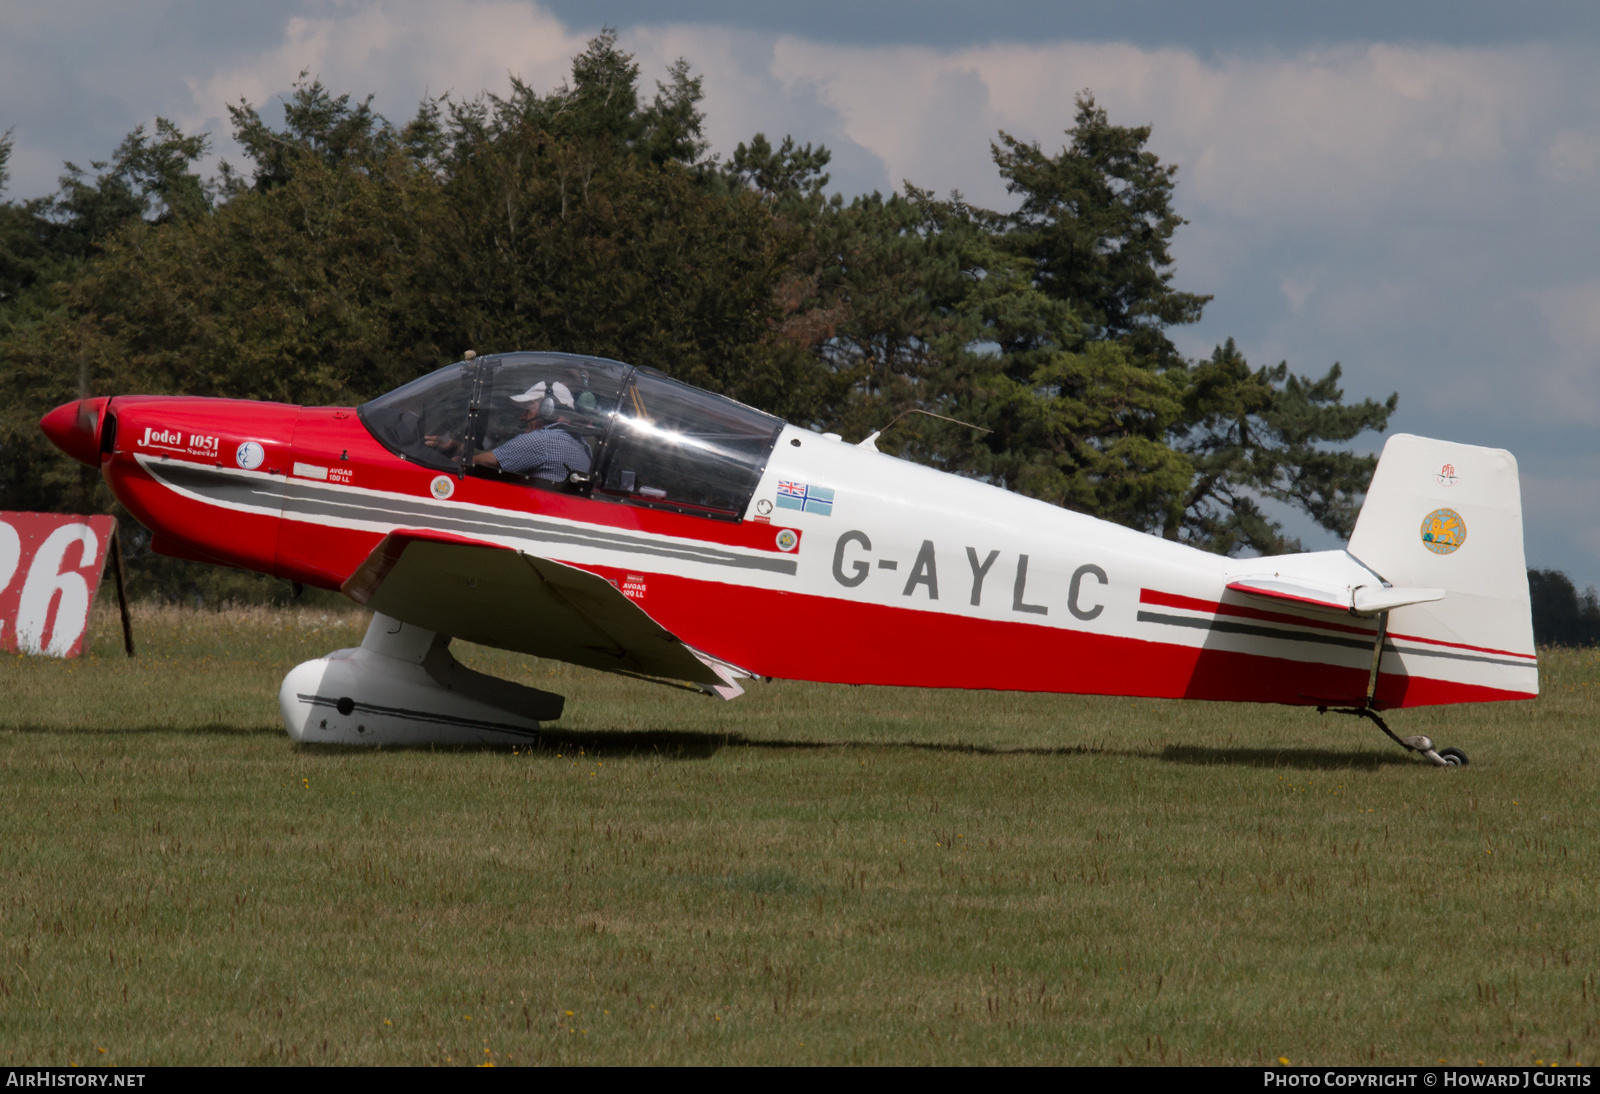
pixel 763 506
pixel 442 487
pixel 1443 531
pixel 787 540
pixel 250 455
pixel 1446 475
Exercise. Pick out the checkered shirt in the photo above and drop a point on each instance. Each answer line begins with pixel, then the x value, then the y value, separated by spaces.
pixel 549 454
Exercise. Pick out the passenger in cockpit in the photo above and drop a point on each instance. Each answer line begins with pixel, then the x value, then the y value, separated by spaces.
pixel 548 448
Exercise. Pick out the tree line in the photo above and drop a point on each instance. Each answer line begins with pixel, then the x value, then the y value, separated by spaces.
pixel 351 254
pixel 1562 616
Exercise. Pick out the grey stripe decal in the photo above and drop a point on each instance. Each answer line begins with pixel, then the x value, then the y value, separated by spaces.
pixel 420 716
pixel 215 484
pixel 301 500
pixel 1228 627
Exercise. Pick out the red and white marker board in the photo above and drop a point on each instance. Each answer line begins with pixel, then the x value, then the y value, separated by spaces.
pixel 50 567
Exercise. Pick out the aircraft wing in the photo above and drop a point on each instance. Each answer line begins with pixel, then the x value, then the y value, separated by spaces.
pixel 1359 600
pixel 496 596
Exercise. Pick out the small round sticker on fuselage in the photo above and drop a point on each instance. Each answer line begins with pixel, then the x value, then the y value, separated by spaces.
pixel 787 540
pixel 1443 531
pixel 442 487
pixel 250 455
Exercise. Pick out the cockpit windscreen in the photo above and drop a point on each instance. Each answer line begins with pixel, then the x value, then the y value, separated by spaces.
pixel 582 425
pixel 430 407
pixel 678 447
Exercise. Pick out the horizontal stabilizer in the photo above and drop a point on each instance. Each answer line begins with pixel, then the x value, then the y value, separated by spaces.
pixel 1294 592
pixel 1372 599
pixel 1357 600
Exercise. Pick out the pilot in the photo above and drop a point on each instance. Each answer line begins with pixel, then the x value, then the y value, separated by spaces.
pixel 548 448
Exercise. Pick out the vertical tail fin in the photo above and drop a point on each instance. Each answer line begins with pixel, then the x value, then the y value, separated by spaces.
pixel 1449 516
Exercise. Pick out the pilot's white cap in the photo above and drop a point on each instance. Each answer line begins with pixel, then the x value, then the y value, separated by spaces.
pixel 558 391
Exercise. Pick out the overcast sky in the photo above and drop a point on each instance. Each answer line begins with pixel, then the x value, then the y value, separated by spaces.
pixel 1407 189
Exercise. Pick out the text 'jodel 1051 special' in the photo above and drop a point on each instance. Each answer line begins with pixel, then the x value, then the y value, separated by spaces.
pixel 605 515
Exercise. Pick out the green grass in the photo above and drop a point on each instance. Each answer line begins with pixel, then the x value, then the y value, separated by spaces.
pixel 807 874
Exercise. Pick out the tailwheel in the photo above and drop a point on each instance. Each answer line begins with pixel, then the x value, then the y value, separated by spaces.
pixel 1421 744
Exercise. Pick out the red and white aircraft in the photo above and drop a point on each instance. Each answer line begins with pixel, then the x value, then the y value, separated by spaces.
pixel 694 539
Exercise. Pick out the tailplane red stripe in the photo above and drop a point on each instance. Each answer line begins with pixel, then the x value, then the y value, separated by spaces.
pixel 1530 657
pixel 1194 604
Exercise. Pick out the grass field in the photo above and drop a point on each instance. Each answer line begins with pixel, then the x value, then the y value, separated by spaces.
pixel 808 874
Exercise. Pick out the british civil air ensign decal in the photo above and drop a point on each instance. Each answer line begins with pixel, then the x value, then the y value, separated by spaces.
pixel 806 498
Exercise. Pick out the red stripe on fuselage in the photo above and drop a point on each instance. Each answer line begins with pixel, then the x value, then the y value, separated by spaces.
pixel 806 637
pixel 1531 658
pixel 1211 607
pixel 1193 604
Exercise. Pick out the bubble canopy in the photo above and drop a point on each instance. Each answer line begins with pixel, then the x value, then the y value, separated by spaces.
pixel 655 441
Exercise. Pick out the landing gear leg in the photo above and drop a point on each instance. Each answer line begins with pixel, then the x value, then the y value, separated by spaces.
pixel 1447 757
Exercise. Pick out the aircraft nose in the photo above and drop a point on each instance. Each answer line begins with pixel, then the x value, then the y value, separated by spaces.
pixel 75 428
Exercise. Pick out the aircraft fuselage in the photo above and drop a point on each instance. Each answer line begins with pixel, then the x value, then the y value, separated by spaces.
pixel 847 565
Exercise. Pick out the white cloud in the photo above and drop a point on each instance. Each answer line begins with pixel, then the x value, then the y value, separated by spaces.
pixel 1332 130
pixel 745 95
pixel 399 51
pixel 926 115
